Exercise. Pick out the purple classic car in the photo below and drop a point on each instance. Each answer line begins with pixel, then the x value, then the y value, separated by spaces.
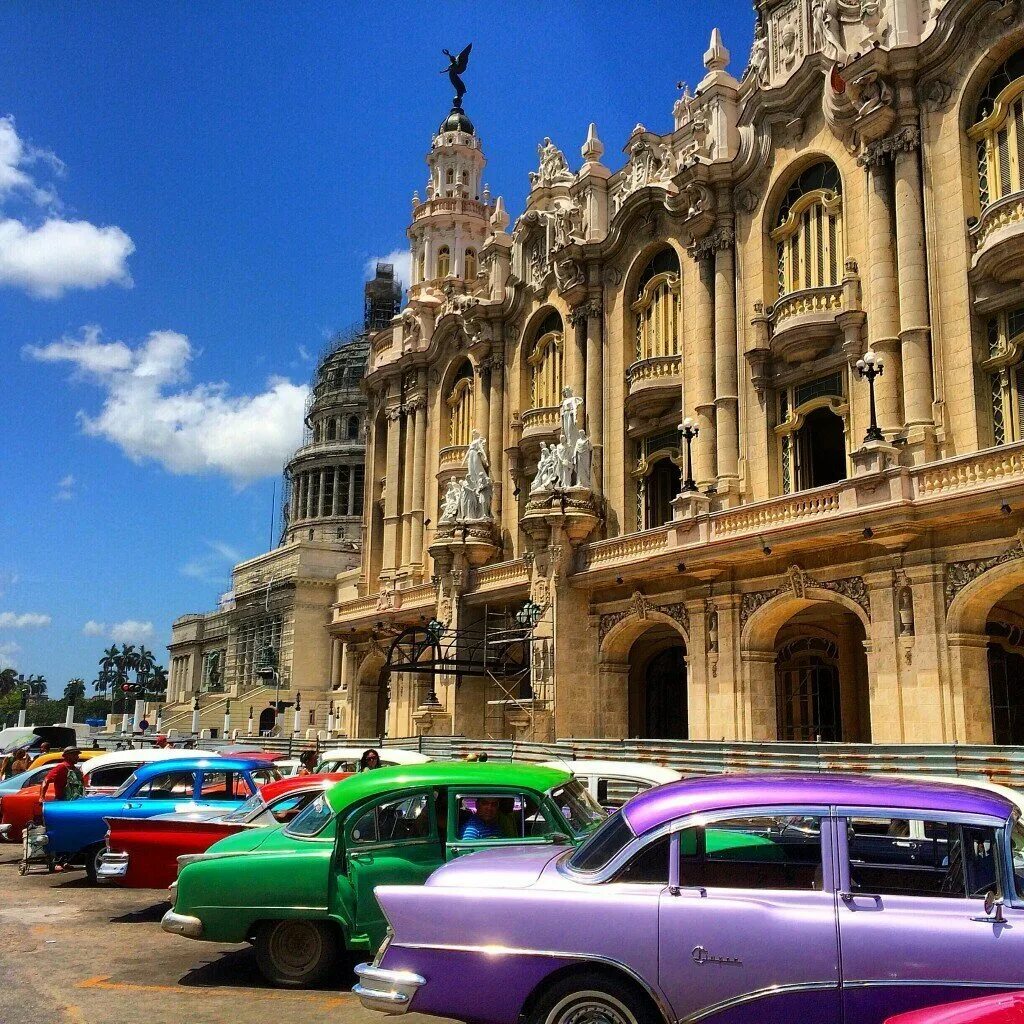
pixel 730 899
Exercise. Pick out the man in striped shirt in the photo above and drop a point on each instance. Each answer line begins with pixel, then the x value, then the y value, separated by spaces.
pixel 483 824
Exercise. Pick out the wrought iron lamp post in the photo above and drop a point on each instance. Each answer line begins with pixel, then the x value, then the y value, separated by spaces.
pixel 689 430
pixel 870 367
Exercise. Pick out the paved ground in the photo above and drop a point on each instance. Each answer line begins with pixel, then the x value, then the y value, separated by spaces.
pixel 74 954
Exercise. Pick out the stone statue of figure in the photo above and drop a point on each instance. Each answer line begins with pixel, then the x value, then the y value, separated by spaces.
pixel 759 55
pixel 540 479
pixel 456 68
pixel 570 406
pixel 563 462
pixel 475 461
pixel 468 504
pixel 450 508
pixel 583 454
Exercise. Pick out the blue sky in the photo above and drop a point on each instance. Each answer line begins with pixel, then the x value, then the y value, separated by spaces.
pixel 189 196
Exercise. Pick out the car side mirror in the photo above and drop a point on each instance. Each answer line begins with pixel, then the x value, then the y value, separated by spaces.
pixel 994 906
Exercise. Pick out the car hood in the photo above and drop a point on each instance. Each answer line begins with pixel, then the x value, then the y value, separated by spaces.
pixel 252 839
pixel 516 868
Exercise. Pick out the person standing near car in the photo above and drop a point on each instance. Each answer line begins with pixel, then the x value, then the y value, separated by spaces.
pixel 21 762
pixel 65 779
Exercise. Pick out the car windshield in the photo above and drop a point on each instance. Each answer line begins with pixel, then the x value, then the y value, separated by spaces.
pixel 1017 846
pixel 311 820
pixel 597 852
pixel 580 810
pixel 253 804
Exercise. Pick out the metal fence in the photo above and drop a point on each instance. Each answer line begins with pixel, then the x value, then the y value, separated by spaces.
pixel 1004 765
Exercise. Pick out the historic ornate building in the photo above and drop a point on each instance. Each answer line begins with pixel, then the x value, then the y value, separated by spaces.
pixel 819 270
pixel 283 597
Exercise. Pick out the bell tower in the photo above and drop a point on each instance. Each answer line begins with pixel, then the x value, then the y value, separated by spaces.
pixel 450 225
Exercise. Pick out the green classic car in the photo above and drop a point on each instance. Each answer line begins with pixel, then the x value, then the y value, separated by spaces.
pixel 304 892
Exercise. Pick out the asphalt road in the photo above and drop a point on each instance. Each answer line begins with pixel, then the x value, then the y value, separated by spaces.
pixel 74 954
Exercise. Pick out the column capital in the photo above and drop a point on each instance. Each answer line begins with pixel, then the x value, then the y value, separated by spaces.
pixel 881 151
pixel 581 313
pixel 713 242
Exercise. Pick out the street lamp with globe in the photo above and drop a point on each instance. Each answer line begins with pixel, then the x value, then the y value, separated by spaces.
pixel 689 430
pixel 870 366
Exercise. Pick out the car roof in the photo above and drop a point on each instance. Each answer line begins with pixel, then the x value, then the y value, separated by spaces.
pixel 118 757
pixel 634 770
pixel 397 755
pixel 210 764
pixel 272 790
pixel 442 773
pixel 55 755
pixel 742 791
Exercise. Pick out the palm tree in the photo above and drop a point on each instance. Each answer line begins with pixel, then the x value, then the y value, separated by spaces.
pixel 108 667
pixel 124 662
pixel 158 682
pixel 74 691
pixel 144 664
pixel 36 686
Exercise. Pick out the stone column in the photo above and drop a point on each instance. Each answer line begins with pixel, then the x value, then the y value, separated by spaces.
pixel 495 433
pixel 593 402
pixel 885 693
pixel 726 384
pixel 883 303
pixel 351 506
pixel 913 278
pixel 575 354
pixel 408 484
pixel 703 370
pixel 335 492
pixel 335 662
pixel 971 692
pixel 294 515
pixel 419 480
pixel 613 698
pixel 392 486
pixel 309 495
pixel 482 398
pixel 758 707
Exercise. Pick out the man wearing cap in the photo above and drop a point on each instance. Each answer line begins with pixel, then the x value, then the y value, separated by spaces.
pixel 65 777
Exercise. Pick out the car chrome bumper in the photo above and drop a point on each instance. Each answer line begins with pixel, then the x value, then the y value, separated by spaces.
pixel 386 991
pixel 182 924
pixel 113 865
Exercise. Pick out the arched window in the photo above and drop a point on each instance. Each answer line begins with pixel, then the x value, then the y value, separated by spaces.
pixel 998 133
pixel 657 307
pixel 470 264
pixel 545 362
pixel 808 235
pixel 812 429
pixel 460 406
pixel 449 176
pixel 352 428
pixel 444 261
pixel 332 429
pixel 807 678
pixel 1005 365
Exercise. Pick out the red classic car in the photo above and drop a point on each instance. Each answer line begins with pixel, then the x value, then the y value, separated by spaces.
pixel 143 853
pixel 1004 1008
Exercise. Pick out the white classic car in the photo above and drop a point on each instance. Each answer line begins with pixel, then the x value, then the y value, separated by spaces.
pixel 346 759
pixel 612 783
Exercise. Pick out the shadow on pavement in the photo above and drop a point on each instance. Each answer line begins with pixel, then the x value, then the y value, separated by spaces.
pixel 147 915
pixel 238 969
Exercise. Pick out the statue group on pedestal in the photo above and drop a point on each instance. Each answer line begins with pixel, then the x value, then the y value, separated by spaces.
pixel 567 463
pixel 469 499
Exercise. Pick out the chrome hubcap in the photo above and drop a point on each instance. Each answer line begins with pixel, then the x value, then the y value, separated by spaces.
pixel 590 1008
pixel 295 947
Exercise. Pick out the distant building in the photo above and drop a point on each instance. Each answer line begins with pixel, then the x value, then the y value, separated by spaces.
pixel 283 597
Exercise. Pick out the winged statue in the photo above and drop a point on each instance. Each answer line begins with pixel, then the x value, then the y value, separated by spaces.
pixel 456 68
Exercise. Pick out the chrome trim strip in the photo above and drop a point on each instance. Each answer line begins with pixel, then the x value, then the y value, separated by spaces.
pixel 911 814
pixel 608 961
pixel 931 983
pixel 760 993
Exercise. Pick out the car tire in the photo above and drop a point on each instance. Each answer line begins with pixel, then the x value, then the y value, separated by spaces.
pixel 92 862
pixel 296 954
pixel 592 998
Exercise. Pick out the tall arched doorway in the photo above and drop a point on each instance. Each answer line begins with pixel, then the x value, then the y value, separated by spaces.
pixel 1005 630
pixel 820 450
pixel 268 719
pixel 657 685
pixel 821 677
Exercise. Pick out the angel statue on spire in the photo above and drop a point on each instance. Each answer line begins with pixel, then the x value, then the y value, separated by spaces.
pixel 456 68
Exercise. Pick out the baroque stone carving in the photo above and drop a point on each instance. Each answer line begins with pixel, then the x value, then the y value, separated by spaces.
pixel 552 169
pixel 677 612
pixel 959 574
pixel 469 499
pixel 750 603
pixel 720 238
pixel 797 580
pixel 758 66
pixel 852 588
pixel 579 314
pixel 906 140
pixel 639 606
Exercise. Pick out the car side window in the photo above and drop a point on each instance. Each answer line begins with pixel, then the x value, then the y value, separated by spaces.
pixel 616 792
pixel 223 786
pixel 917 857
pixel 168 786
pixel 649 865
pixel 289 806
pixel 393 821
pixel 112 777
pixel 762 852
pixel 499 816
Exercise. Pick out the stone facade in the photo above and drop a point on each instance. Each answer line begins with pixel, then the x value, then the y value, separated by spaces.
pixel 765 574
pixel 284 597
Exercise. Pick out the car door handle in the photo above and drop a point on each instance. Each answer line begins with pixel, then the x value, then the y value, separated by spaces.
pixel 361 858
pixel 849 897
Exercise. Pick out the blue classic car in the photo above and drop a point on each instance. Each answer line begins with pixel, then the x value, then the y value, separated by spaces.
pixel 76 829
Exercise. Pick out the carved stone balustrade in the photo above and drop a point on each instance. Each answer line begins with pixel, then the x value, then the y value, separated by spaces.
pixel 541 425
pixel 998 239
pixel 450 462
pixel 805 324
pixel 653 385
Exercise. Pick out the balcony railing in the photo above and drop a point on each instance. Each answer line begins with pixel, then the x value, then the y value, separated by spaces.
pixel 998 239
pixel 469 207
pixel 655 370
pixel 451 457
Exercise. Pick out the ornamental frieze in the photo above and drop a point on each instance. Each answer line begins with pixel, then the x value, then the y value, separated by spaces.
pixel 640 607
pixel 852 588
pixel 750 603
pixel 959 574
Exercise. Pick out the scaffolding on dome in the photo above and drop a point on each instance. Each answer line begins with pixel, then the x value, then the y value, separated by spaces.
pixel 502 647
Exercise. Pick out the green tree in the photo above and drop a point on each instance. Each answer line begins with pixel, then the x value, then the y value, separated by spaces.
pixel 8 679
pixel 158 683
pixel 124 662
pixel 35 685
pixel 145 662
pixel 108 669
pixel 74 691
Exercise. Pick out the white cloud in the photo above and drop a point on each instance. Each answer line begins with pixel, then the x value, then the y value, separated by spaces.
pixel 47 255
pixel 150 415
pixel 65 488
pixel 214 565
pixel 26 620
pixel 94 628
pixel 304 354
pixel 131 631
pixel 8 652
pixel 400 258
